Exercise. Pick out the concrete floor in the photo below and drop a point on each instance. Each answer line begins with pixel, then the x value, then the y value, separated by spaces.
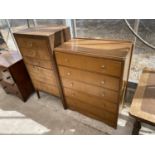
pixel 47 116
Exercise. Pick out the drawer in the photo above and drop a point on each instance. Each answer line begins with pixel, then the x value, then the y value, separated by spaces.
pixel 35 48
pixel 11 88
pixel 5 72
pixel 46 88
pixel 91 100
pixel 41 74
pixel 37 62
pixel 99 65
pixel 6 76
pixel 90 78
pixel 103 93
pixel 91 111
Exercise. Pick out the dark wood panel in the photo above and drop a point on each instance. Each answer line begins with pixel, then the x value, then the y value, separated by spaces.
pixel 14 78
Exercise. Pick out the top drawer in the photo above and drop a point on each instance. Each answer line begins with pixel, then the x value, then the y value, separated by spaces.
pixel 34 47
pixel 100 65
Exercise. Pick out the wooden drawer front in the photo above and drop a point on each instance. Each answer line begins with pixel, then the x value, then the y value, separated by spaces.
pixel 41 74
pixel 6 76
pixel 92 90
pixel 37 62
pixel 90 78
pixel 92 111
pixel 91 100
pixel 36 48
pixel 99 65
pixel 46 88
pixel 11 88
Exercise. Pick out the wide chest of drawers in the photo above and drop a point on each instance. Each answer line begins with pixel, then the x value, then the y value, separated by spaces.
pixel 94 74
pixel 14 77
pixel 36 46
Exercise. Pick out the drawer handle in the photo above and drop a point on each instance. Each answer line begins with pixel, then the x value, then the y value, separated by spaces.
pixel 102 66
pixel 72 94
pixel 102 82
pixel 1 79
pixel 68 73
pixel 71 84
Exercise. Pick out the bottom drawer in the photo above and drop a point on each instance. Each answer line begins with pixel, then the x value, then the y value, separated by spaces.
pixel 51 89
pixel 92 100
pixel 92 111
pixel 11 89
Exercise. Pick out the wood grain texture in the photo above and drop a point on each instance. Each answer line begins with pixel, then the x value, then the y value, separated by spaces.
pixel 41 74
pixel 92 111
pixel 94 100
pixel 105 94
pixel 36 46
pixel 45 87
pixel 14 76
pixel 143 104
pixel 97 48
pixel 100 80
pixel 94 75
pixel 38 62
pixel 98 65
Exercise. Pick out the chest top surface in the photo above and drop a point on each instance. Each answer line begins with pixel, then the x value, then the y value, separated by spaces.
pixel 8 58
pixel 99 48
pixel 41 31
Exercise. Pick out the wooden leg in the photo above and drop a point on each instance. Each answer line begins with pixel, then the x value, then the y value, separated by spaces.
pixel 38 94
pixel 136 128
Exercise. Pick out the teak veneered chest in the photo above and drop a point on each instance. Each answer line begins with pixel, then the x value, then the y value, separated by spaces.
pixel 94 74
pixel 36 46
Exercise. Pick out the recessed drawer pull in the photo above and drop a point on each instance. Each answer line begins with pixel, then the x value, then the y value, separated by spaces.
pixel 102 66
pixel 4 70
pixel 68 73
pixel 102 82
pixel 1 79
pixel 8 77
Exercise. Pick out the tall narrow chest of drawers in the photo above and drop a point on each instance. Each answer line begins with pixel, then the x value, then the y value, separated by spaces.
pixel 14 77
pixel 94 74
pixel 36 46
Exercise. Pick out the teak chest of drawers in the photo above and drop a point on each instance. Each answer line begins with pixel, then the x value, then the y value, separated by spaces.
pixel 14 77
pixel 94 74
pixel 36 46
